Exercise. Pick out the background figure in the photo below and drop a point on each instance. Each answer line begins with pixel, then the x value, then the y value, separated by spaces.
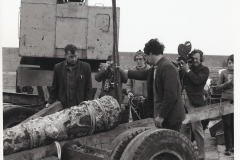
pixel 106 76
pixel 137 90
pixel 226 84
pixel 193 81
pixel 72 82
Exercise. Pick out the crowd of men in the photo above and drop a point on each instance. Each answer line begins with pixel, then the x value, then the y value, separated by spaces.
pixel 156 88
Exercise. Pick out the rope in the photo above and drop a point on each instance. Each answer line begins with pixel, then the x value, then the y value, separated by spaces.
pixel 91 111
pixel 104 114
pixel 132 105
pixel 58 149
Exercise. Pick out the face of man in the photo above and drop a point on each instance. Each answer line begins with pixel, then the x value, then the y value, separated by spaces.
pixel 196 60
pixel 139 61
pixel 150 59
pixel 71 58
pixel 230 65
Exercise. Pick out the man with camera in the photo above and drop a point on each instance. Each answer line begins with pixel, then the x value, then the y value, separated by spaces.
pixel 106 76
pixel 137 89
pixel 193 80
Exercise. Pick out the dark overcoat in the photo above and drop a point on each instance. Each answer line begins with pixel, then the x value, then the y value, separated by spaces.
pixel 59 85
pixel 194 82
pixel 168 103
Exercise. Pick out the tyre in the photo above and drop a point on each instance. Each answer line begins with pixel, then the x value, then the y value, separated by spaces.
pixel 121 141
pixel 159 144
pixel 13 115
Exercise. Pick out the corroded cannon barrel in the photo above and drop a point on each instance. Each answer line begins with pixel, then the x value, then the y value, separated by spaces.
pixel 87 118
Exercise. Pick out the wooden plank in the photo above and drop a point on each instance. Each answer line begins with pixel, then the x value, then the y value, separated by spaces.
pixel 53 108
pixel 95 139
pixel 19 98
pixel 211 111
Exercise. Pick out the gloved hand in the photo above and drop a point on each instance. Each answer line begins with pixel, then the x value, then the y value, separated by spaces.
pixel 130 95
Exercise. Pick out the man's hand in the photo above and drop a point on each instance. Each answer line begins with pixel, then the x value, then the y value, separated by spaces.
pixel 158 121
pixel 230 79
pixel 47 105
pixel 185 67
pixel 130 95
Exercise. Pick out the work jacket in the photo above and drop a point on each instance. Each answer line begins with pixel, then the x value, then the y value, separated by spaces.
pixel 83 82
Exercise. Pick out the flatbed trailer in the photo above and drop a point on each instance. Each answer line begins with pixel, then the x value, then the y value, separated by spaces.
pixel 134 140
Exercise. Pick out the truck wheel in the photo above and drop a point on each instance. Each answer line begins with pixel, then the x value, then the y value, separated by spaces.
pixel 159 144
pixel 13 115
pixel 122 140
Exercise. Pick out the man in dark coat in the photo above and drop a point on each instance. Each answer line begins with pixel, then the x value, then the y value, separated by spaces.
pixel 193 81
pixel 72 82
pixel 164 88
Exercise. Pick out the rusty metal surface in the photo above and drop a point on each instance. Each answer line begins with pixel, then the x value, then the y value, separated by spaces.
pixel 42 1
pixel 68 10
pixel 46 28
pixel 100 140
pixel 37 31
pixel 71 31
pixel 100 31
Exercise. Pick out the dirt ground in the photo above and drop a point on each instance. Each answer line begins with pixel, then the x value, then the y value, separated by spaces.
pixel 214 151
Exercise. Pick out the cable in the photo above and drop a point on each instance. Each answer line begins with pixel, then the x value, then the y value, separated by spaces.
pixel 91 111
pixel 59 152
pixel 104 114
pixel 132 105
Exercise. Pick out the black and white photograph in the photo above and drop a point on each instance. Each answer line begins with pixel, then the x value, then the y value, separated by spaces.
pixel 119 79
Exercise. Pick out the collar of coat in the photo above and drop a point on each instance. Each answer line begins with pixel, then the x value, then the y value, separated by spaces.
pixel 73 66
pixel 160 61
pixel 195 68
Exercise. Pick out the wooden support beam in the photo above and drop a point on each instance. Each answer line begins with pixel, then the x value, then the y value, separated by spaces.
pixel 53 108
pixel 210 111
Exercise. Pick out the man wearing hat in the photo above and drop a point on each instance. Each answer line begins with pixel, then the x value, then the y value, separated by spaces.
pixel 137 89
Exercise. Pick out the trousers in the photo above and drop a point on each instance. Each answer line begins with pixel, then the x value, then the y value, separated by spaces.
pixel 197 130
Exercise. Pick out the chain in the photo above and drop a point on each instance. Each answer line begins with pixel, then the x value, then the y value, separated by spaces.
pixel 132 105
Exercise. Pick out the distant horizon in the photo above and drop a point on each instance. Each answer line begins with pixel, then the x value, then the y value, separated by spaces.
pixel 135 52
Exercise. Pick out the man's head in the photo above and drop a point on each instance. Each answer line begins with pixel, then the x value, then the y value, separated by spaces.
pixel 153 49
pixel 71 54
pixel 197 57
pixel 109 60
pixel 139 58
pixel 230 62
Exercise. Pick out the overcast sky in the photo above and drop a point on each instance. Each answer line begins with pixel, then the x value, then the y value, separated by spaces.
pixel 210 25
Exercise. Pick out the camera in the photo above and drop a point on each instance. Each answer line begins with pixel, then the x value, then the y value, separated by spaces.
pixel 184 54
